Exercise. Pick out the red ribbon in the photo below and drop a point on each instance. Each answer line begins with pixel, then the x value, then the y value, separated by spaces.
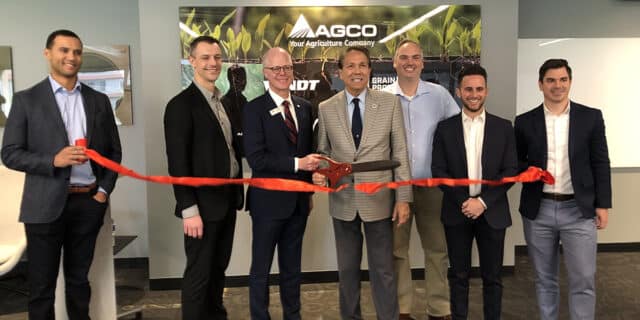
pixel 530 175
pixel 264 183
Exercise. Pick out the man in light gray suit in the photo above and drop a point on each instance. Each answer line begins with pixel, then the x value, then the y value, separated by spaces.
pixel 358 125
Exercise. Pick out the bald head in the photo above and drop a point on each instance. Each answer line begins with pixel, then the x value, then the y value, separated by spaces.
pixel 268 56
pixel 278 70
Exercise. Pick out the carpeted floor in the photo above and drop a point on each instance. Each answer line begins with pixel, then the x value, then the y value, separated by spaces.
pixel 618 295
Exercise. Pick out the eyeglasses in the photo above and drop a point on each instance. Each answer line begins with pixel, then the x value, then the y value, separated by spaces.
pixel 277 69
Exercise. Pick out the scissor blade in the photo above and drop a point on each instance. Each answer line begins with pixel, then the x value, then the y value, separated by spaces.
pixel 379 165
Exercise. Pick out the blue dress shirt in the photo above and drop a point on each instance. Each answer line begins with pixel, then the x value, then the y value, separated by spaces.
pixel 422 112
pixel 73 115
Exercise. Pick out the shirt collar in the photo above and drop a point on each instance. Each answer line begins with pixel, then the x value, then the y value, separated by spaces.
pixel 278 99
pixel 424 87
pixel 57 86
pixel 208 94
pixel 480 117
pixel 548 112
pixel 361 96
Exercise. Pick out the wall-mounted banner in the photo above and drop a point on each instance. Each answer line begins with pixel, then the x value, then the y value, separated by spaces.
pixel 450 36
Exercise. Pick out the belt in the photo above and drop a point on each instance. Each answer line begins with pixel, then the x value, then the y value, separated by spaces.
pixel 557 196
pixel 81 188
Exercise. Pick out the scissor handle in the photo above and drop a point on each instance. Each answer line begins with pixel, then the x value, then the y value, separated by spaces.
pixel 335 171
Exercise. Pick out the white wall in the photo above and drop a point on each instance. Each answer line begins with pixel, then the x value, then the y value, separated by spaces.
pixel 25 26
pixel 161 74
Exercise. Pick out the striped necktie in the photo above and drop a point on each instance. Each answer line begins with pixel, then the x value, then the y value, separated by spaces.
pixel 292 132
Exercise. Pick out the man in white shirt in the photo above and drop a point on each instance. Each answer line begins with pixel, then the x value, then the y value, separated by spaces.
pixel 568 140
pixel 475 145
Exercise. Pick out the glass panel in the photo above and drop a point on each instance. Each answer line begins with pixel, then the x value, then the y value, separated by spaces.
pixel 6 83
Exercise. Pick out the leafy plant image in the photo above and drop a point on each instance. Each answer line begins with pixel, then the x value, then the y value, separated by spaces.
pixel 445 31
pixel 448 37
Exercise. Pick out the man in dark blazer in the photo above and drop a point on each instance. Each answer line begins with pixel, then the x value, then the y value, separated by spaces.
pixel 277 144
pixel 65 196
pixel 200 143
pixel 568 140
pixel 476 145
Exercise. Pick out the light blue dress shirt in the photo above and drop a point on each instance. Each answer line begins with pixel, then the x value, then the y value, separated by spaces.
pixel 422 112
pixel 73 115
pixel 361 104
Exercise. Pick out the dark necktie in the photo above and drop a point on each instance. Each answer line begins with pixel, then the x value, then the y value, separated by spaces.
pixel 292 132
pixel 356 122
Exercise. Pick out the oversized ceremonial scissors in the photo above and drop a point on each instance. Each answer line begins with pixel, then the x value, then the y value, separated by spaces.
pixel 336 170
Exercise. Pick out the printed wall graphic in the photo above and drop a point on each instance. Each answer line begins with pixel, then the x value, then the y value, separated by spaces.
pixel 450 36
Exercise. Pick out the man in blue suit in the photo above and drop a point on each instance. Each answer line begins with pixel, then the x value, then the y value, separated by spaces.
pixel 568 140
pixel 277 144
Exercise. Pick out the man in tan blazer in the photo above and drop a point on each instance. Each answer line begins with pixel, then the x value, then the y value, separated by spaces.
pixel 357 125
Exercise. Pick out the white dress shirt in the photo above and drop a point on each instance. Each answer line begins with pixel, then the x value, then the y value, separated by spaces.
pixel 473 138
pixel 279 100
pixel 558 151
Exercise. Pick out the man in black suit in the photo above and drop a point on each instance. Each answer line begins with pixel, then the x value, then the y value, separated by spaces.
pixel 277 144
pixel 200 143
pixel 65 196
pixel 568 140
pixel 476 145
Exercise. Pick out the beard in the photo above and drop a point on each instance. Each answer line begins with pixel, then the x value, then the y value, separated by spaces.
pixel 467 107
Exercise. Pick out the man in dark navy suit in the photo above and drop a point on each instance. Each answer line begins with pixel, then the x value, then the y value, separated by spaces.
pixel 476 145
pixel 568 140
pixel 277 144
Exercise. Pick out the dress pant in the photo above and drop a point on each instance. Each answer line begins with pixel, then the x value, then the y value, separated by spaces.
pixel 490 251
pixel 75 231
pixel 562 221
pixel 426 206
pixel 379 237
pixel 204 275
pixel 285 234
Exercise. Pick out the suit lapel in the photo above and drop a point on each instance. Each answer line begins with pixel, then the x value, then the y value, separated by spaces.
pixel 540 128
pixel 343 115
pixel 51 107
pixel 278 117
pixel 487 145
pixel 573 125
pixel 202 102
pixel 459 129
pixel 89 103
pixel 370 116
pixel 300 117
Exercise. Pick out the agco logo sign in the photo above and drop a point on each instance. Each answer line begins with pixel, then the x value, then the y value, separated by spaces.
pixel 302 29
